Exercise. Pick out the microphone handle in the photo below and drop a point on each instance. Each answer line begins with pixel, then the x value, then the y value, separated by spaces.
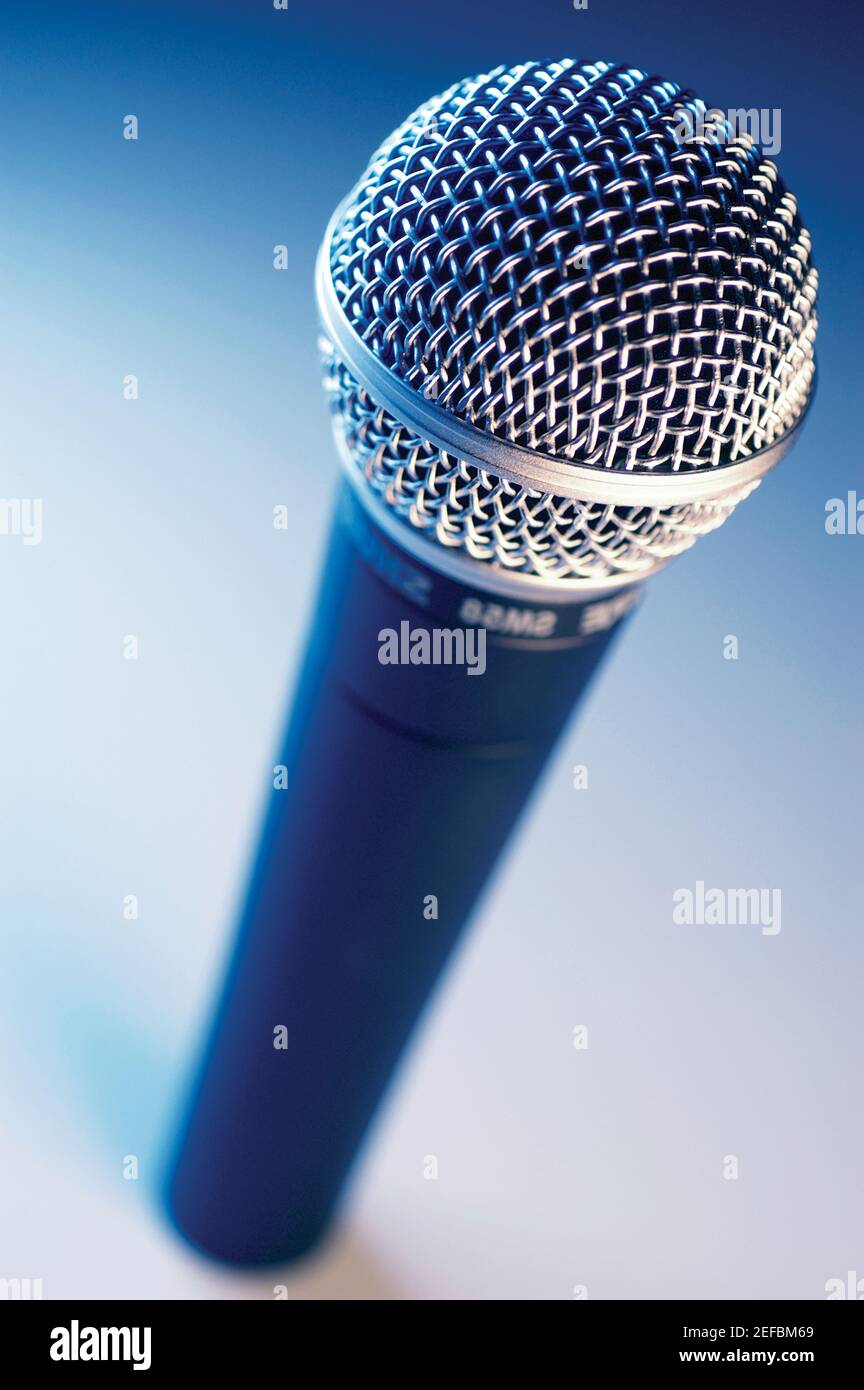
pixel 402 784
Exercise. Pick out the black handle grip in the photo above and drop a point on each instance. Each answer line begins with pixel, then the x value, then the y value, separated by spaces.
pixel 403 784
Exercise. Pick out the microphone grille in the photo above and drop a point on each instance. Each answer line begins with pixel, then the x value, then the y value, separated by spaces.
pixel 550 256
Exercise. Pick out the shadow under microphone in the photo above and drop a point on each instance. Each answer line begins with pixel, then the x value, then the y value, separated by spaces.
pixel 523 447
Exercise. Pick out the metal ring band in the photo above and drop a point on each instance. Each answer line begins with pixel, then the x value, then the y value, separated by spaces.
pixel 512 462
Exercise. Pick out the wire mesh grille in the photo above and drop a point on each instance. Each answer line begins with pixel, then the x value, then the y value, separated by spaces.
pixel 542 253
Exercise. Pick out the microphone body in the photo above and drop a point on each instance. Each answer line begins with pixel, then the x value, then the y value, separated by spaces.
pixel 397 787
pixel 562 339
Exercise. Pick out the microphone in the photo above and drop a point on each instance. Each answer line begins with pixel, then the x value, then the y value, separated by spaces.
pixel 563 337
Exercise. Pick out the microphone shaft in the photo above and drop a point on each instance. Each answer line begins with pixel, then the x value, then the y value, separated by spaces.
pixel 402 784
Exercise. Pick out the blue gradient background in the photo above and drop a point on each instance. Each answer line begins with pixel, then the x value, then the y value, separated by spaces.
pixel 557 1167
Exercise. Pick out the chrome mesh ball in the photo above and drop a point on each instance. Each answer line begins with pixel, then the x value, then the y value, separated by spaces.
pixel 543 255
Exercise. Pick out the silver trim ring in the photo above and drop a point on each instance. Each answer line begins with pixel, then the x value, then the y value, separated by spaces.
pixel 512 462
